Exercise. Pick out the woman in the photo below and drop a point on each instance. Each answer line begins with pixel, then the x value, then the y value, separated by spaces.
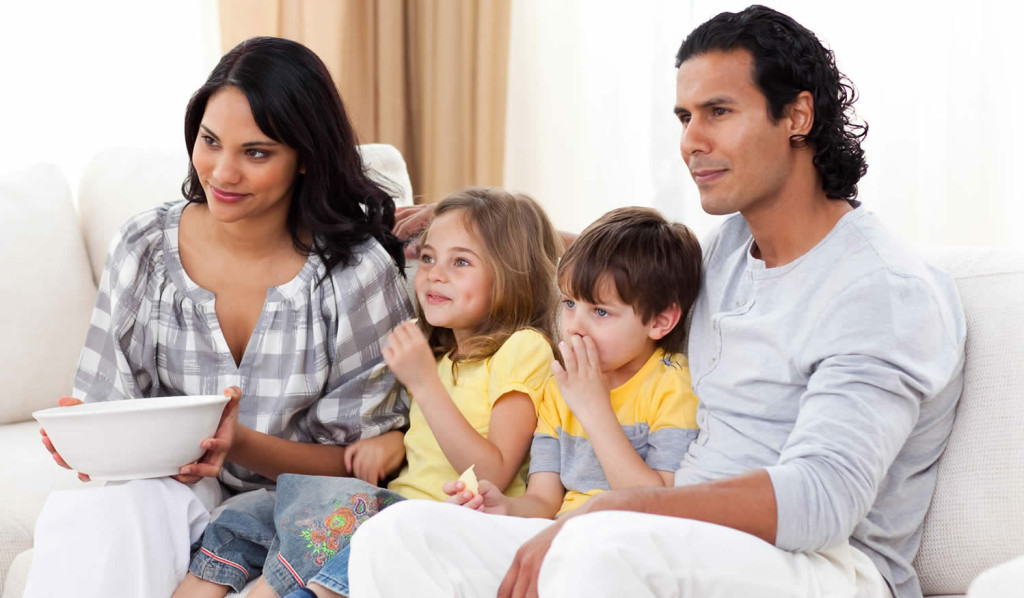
pixel 277 279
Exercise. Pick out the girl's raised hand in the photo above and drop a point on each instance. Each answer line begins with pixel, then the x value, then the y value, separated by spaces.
pixel 63 402
pixel 209 465
pixel 489 500
pixel 408 355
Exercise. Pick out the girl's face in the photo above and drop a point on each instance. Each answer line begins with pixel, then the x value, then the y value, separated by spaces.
pixel 455 278
pixel 244 173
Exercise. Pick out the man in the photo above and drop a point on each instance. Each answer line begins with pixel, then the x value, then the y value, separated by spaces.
pixel 827 358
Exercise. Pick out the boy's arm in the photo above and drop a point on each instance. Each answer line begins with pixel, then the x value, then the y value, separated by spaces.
pixel 584 391
pixel 543 498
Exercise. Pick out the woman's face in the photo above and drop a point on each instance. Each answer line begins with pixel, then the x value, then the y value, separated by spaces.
pixel 245 174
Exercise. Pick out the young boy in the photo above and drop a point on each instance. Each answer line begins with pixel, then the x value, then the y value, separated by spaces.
pixel 620 413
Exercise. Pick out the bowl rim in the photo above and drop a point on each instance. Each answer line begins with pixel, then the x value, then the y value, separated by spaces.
pixel 134 405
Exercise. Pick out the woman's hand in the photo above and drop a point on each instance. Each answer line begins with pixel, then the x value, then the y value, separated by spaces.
pixel 209 465
pixel 408 354
pixel 63 402
pixel 372 459
pixel 488 500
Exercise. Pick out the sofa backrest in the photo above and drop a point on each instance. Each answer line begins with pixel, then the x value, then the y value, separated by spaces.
pixel 975 519
pixel 46 290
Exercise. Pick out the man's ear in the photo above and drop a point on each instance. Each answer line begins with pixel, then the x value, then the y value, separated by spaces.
pixel 801 114
pixel 664 322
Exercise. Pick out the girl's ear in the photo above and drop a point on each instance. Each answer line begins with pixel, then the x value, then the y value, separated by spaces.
pixel 302 169
pixel 664 322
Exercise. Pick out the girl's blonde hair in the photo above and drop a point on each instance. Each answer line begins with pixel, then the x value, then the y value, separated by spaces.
pixel 523 249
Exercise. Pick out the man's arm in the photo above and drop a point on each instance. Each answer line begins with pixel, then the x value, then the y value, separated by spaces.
pixel 745 503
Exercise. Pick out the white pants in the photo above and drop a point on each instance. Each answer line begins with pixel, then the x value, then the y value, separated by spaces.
pixel 425 549
pixel 1003 581
pixel 129 540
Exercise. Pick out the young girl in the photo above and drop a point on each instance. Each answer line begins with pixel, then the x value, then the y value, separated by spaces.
pixel 475 366
pixel 278 278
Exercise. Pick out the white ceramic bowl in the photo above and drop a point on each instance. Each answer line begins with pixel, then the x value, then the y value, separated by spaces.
pixel 139 438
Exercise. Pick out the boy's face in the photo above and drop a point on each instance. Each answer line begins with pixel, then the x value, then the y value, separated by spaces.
pixel 624 342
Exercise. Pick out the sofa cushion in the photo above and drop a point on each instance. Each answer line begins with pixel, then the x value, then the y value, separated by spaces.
pixel 46 290
pixel 975 517
pixel 121 182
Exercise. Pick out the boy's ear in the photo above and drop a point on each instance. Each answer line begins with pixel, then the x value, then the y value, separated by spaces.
pixel 664 322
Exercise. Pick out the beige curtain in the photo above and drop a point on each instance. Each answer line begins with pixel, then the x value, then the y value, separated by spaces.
pixel 427 76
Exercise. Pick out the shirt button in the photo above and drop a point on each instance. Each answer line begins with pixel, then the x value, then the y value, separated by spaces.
pixel 714 360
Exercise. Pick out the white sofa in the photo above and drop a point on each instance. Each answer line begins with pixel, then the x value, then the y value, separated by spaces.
pixel 51 255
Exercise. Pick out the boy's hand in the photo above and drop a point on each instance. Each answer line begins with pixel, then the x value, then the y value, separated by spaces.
pixel 489 500
pixel 63 402
pixel 408 354
pixel 209 465
pixel 372 459
pixel 581 381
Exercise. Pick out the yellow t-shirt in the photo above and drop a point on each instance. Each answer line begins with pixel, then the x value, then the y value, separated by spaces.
pixel 522 364
pixel 656 409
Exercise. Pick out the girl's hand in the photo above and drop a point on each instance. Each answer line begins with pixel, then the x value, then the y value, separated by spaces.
pixel 63 402
pixel 209 465
pixel 581 381
pixel 372 459
pixel 489 500
pixel 408 354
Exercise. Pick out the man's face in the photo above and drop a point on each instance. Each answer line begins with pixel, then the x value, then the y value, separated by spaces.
pixel 739 159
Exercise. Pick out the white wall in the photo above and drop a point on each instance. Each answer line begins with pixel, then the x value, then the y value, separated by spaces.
pixel 592 85
pixel 81 76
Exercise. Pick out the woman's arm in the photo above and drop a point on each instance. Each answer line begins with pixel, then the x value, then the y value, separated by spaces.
pixel 271 456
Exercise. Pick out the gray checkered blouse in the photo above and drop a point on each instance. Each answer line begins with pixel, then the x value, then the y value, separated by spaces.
pixel 312 371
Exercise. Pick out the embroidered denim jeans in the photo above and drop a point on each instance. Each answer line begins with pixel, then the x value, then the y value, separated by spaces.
pixel 290 539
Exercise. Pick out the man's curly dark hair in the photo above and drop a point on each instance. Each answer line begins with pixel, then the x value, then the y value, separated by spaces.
pixel 789 59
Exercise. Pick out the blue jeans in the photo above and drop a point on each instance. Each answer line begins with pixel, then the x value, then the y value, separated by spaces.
pixel 233 548
pixel 290 540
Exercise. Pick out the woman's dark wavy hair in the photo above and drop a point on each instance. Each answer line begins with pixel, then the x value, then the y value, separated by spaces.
pixel 294 101
pixel 789 59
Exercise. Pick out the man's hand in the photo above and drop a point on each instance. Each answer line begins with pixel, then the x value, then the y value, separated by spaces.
pixel 489 498
pixel 581 381
pixel 63 402
pixel 209 465
pixel 408 354
pixel 521 579
pixel 372 459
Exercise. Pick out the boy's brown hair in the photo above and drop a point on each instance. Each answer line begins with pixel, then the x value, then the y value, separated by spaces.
pixel 523 248
pixel 652 262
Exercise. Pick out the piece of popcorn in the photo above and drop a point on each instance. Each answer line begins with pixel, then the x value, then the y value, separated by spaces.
pixel 468 478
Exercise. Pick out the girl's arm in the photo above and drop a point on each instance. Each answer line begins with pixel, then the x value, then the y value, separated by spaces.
pixel 513 418
pixel 498 457
pixel 583 388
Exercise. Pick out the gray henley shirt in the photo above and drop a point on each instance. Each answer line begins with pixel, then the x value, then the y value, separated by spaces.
pixel 839 374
